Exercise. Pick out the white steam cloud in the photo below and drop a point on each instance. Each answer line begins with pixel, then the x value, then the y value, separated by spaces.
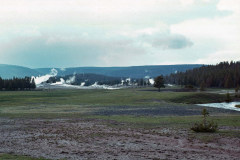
pixel 62 81
pixel 40 79
pixel 68 81
pixel 151 81
pixel 71 80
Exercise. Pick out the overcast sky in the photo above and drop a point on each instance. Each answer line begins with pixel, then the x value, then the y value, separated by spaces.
pixel 69 33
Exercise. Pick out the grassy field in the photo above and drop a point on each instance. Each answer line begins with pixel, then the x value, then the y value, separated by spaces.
pixel 103 97
pixel 142 108
pixel 87 101
pixel 139 106
pixel 136 105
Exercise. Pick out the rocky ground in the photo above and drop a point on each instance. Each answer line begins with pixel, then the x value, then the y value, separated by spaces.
pixel 101 139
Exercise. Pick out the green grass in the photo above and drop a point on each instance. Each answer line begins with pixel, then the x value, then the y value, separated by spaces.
pixel 174 121
pixel 17 157
pixel 102 97
pixel 57 103
pixel 138 121
pixel 197 98
pixel 82 103
pixel 177 123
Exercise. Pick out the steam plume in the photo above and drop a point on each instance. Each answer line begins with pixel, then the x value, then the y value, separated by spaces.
pixel 40 79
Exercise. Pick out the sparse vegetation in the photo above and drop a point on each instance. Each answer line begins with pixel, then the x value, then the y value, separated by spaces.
pixel 189 86
pixel 236 91
pixel 228 98
pixel 202 87
pixel 205 126
pixel 17 157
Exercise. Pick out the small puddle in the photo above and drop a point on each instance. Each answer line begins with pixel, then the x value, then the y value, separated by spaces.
pixel 223 105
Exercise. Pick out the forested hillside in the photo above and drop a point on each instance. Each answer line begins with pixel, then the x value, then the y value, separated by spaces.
pixel 224 75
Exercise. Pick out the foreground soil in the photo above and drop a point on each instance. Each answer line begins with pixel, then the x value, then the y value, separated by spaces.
pixel 101 139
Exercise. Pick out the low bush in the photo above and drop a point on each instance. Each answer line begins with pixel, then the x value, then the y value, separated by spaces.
pixel 237 95
pixel 205 126
pixel 228 98
pixel 238 106
pixel 189 87
pixel 208 127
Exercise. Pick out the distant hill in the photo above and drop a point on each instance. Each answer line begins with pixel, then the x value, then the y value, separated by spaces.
pixel 132 72
pixel 9 71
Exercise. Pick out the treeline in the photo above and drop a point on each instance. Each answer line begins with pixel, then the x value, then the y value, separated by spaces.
pixel 223 75
pixel 17 84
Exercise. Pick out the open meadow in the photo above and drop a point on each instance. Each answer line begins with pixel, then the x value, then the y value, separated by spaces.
pixel 119 80
pixel 131 123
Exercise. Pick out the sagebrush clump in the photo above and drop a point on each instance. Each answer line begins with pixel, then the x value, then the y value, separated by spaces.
pixel 237 95
pixel 228 98
pixel 205 126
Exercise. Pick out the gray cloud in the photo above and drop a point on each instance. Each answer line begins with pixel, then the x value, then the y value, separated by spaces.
pixel 112 33
pixel 63 51
pixel 171 41
pixel 102 50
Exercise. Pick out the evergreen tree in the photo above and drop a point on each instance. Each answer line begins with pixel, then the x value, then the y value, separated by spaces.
pixel 17 84
pixel 159 82
pixel 224 74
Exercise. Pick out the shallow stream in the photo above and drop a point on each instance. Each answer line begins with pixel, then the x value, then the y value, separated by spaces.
pixel 223 105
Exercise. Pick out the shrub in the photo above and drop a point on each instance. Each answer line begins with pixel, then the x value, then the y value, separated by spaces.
pixel 228 98
pixel 202 86
pixel 237 95
pixel 237 89
pixel 189 86
pixel 238 106
pixel 208 127
pixel 205 126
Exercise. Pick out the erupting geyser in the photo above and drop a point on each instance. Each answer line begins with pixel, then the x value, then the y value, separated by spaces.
pixel 40 79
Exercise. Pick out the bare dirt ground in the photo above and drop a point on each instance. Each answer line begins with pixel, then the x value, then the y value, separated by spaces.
pixel 100 139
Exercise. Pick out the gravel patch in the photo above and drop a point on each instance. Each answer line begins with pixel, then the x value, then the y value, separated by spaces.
pixel 94 139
